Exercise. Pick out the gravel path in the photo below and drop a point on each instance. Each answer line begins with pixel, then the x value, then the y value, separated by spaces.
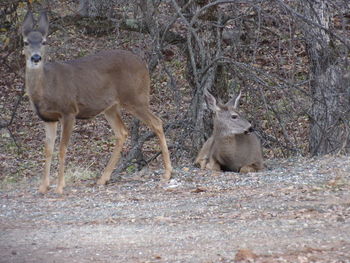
pixel 298 210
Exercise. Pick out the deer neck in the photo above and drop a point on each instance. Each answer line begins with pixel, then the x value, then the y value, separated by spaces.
pixel 222 130
pixel 35 81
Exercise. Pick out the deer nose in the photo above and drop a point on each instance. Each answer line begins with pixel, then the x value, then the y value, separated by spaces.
pixel 250 129
pixel 35 58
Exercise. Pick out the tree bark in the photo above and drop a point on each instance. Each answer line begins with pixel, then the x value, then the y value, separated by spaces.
pixel 330 97
pixel 95 8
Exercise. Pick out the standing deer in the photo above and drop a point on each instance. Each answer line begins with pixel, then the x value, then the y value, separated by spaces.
pixel 83 88
pixel 233 145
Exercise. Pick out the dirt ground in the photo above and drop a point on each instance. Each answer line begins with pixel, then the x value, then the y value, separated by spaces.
pixel 298 210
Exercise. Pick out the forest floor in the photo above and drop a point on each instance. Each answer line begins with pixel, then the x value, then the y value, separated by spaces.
pixel 297 210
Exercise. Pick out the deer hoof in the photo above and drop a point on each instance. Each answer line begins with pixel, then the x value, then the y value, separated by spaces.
pixel 247 169
pixel 166 176
pixel 101 181
pixel 43 189
pixel 59 190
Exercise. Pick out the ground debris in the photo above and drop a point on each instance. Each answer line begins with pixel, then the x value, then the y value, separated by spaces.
pixel 298 210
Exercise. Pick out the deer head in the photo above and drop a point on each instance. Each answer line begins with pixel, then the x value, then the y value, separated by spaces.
pixel 228 119
pixel 35 40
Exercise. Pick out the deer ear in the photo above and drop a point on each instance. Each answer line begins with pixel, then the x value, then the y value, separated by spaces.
pixel 234 101
pixel 28 24
pixel 211 101
pixel 43 24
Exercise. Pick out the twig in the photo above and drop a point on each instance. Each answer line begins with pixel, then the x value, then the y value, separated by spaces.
pixel 8 124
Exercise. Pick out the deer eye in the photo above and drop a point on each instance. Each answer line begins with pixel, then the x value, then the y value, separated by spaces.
pixel 26 43
pixel 44 42
pixel 234 117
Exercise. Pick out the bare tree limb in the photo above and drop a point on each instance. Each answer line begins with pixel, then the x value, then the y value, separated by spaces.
pixel 345 42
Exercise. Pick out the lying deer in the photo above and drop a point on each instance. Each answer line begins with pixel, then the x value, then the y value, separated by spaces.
pixel 83 88
pixel 233 145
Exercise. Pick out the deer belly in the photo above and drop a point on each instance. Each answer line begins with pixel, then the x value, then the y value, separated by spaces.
pixel 87 114
pixel 89 106
pixel 89 111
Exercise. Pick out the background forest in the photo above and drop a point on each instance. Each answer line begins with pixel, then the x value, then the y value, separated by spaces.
pixel 290 60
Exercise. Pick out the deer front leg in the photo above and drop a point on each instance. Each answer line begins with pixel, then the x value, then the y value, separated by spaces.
pixel 67 123
pixel 214 166
pixel 203 156
pixel 50 131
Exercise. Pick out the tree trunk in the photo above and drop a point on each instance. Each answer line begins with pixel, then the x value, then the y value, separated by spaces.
pixel 95 8
pixel 202 121
pixel 329 111
pixel 202 74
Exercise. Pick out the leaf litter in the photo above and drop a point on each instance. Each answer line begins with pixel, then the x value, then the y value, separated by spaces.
pixel 297 210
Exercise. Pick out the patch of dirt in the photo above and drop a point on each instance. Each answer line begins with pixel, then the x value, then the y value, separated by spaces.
pixel 298 210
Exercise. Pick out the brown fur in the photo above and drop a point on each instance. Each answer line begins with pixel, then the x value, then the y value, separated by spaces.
pixel 233 145
pixel 83 88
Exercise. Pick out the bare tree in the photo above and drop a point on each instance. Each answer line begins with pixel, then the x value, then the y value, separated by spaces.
pixel 329 80
pixel 93 8
pixel 203 47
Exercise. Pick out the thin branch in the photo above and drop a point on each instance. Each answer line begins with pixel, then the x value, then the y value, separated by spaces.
pixel 191 31
pixel 310 22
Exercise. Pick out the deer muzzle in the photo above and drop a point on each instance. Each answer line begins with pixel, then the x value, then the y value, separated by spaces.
pixel 249 130
pixel 35 58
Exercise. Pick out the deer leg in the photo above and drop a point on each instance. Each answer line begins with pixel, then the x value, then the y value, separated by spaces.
pixel 113 117
pixel 155 124
pixel 251 168
pixel 50 131
pixel 67 123
pixel 213 165
pixel 202 162
pixel 247 169
pixel 203 155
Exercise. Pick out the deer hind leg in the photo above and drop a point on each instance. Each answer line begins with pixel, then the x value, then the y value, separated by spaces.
pixel 155 124
pixel 248 169
pixel 67 123
pixel 203 156
pixel 113 117
pixel 50 131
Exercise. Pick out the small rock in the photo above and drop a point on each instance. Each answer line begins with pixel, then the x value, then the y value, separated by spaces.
pixel 340 219
pixel 199 190
pixel 245 255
